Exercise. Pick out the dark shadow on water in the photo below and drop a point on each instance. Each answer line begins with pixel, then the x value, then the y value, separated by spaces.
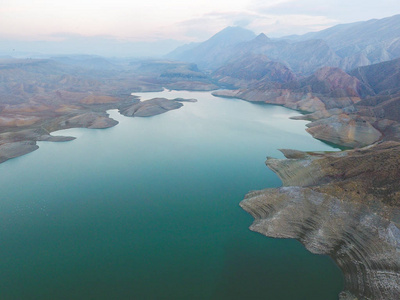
pixel 342 148
pixel 254 273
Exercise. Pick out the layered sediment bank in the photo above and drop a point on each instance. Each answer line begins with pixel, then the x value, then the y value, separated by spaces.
pixel 343 204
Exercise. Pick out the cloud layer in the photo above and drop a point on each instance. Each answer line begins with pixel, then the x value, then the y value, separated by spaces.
pixel 152 20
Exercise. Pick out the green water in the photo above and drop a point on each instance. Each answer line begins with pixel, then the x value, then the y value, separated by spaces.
pixel 149 210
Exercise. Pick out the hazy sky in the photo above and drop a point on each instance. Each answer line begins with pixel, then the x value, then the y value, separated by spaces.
pixel 185 20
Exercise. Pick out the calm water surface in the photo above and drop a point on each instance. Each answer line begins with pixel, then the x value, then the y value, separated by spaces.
pixel 149 210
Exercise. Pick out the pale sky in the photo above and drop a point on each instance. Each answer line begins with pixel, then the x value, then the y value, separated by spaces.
pixel 182 20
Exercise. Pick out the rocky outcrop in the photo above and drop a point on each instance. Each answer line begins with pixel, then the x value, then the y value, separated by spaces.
pixel 89 120
pixel 52 138
pixel 150 107
pixel 15 149
pixel 343 204
pixel 346 130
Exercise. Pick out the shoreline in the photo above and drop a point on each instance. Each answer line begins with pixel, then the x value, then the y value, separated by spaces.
pixel 366 276
pixel 352 216
pixel 102 121
pixel 16 143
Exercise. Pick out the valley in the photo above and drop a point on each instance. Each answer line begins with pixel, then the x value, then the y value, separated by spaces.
pixel 344 81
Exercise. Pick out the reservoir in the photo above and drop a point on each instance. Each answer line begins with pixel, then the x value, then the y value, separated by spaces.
pixel 149 209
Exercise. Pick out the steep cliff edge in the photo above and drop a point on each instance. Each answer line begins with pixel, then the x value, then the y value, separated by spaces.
pixel 343 204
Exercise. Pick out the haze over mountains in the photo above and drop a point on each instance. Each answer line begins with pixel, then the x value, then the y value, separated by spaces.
pixel 333 75
pixel 213 52
pixel 96 45
pixel 346 76
pixel 346 46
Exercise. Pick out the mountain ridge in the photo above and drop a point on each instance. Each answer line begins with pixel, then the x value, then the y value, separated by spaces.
pixel 208 54
pixel 347 46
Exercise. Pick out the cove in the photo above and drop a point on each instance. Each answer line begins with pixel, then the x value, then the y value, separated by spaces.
pixel 149 209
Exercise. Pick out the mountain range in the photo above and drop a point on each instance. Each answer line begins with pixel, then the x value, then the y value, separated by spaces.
pixel 346 46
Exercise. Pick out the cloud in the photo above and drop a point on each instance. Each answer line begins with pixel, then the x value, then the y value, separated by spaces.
pixel 281 25
pixel 242 22
pixel 339 10
pixel 151 20
pixel 278 18
pixel 205 26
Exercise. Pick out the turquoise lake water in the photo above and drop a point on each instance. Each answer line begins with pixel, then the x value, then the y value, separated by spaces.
pixel 149 209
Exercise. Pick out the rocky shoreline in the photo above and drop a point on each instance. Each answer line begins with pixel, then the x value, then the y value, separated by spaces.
pixel 343 204
pixel 339 125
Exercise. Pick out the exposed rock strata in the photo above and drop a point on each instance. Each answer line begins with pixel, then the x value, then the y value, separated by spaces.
pixel 344 204
pixel 345 130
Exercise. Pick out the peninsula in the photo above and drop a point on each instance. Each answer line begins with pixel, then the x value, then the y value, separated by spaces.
pixel 40 96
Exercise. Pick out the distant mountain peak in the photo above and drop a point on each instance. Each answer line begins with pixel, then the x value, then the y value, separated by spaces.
pixel 233 33
pixel 212 53
pixel 262 38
